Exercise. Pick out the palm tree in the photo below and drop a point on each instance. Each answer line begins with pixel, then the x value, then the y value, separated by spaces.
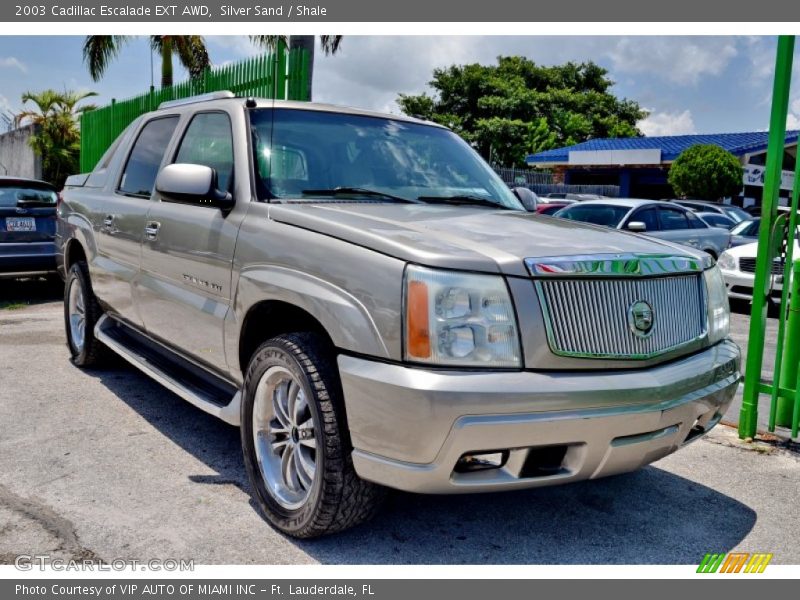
pixel 330 44
pixel 100 50
pixel 56 138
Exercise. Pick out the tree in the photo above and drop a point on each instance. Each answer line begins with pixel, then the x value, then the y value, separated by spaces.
pixel 56 138
pixel 100 50
pixel 329 43
pixel 706 171
pixel 518 107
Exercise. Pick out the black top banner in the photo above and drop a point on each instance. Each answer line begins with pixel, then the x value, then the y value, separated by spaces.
pixel 407 11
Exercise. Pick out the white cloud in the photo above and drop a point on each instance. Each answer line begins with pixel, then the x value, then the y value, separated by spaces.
pixel 680 60
pixel 664 123
pixel 11 62
pixel 793 118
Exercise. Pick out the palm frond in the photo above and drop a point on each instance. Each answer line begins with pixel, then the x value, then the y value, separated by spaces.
pixel 99 51
pixel 269 42
pixel 330 44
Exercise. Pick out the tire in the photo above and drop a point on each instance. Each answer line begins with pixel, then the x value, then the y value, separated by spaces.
pixel 297 371
pixel 85 349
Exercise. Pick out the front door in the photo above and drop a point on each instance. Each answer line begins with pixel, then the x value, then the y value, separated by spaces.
pixel 187 252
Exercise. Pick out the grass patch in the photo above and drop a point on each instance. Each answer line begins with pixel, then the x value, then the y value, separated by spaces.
pixel 11 305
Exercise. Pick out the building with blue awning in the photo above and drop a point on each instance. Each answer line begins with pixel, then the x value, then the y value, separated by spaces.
pixel 639 166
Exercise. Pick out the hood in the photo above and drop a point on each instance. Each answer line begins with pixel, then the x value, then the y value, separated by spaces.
pixel 750 250
pixel 467 238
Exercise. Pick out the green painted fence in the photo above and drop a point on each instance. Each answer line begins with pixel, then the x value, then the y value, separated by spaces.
pixel 281 75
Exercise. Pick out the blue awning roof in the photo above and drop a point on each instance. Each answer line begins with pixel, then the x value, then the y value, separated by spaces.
pixel 670 145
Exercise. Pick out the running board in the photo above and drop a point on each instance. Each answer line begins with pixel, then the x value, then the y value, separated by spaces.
pixel 182 377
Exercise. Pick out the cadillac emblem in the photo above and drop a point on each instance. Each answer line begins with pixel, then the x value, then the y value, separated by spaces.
pixel 641 318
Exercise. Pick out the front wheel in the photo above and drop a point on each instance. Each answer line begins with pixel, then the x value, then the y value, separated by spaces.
pixel 295 442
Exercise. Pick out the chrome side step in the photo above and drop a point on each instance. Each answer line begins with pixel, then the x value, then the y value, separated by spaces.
pixel 217 398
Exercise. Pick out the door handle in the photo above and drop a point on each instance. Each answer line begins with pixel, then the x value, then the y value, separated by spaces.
pixel 108 222
pixel 151 230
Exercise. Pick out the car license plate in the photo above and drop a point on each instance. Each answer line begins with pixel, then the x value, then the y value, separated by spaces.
pixel 20 224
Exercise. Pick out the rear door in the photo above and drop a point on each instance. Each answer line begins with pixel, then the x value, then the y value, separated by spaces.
pixel 121 223
pixel 27 224
pixel 187 252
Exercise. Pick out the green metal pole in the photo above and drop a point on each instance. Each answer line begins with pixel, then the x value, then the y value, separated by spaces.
pixel 791 352
pixel 748 417
pixel 786 346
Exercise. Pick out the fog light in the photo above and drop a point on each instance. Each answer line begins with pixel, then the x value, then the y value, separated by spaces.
pixel 481 462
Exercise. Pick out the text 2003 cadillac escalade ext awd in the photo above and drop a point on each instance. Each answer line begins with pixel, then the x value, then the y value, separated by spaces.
pixel 368 301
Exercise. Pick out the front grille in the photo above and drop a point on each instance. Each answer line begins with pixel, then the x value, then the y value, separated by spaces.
pixel 748 265
pixel 590 317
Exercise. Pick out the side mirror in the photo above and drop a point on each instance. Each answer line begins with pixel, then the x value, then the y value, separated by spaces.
pixel 527 197
pixel 192 184
pixel 637 226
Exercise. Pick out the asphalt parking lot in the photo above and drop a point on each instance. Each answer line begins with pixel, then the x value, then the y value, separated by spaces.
pixel 108 464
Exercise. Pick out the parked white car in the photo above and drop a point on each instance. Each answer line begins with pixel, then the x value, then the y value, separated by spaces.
pixel 738 266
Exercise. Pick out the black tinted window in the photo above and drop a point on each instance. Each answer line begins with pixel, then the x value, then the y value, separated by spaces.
pixel 672 219
pixel 139 176
pixel 648 216
pixel 208 141
pixel 26 196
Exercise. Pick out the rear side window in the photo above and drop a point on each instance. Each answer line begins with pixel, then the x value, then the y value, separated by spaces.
pixel 139 176
pixel 26 196
pixel 672 219
pixel 208 141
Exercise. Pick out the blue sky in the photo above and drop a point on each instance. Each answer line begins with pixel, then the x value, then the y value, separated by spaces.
pixel 689 84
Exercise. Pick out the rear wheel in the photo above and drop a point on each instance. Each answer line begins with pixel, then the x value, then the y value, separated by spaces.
pixel 81 313
pixel 295 442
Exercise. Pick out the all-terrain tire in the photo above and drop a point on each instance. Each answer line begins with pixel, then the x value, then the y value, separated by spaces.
pixel 337 499
pixel 91 352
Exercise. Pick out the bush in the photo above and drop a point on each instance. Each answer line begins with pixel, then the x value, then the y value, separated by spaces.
pixel 706 171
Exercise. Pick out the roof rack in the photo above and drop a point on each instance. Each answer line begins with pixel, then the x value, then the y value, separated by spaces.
pixel 222 95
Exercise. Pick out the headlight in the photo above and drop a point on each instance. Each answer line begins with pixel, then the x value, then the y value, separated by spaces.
pixel 727 262
pixel 719 312
pixel 463 319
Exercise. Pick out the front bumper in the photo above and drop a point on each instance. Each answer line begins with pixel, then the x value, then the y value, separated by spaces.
pixel 740 284
pixel 410 426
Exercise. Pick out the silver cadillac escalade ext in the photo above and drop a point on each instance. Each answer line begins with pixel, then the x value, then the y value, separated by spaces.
pixel 367 300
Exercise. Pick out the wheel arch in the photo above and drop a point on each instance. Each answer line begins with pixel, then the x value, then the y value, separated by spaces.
pixel 270 300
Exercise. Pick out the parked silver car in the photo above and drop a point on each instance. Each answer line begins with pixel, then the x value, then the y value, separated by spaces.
pixel 368 301
pixel 655 218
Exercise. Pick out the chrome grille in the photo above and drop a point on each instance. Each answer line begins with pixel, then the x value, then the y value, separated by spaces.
pixel 589 317
pixel 748 265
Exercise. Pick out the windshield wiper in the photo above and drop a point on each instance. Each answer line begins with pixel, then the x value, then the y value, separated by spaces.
pixel 461 199
pixel 342 189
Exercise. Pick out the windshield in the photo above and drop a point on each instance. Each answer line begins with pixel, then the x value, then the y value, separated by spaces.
pixel 598 214
pixel 314 155
pixel 20 196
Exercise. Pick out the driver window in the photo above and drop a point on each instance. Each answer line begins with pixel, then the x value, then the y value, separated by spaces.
pixel 208 141
pixel 648 216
